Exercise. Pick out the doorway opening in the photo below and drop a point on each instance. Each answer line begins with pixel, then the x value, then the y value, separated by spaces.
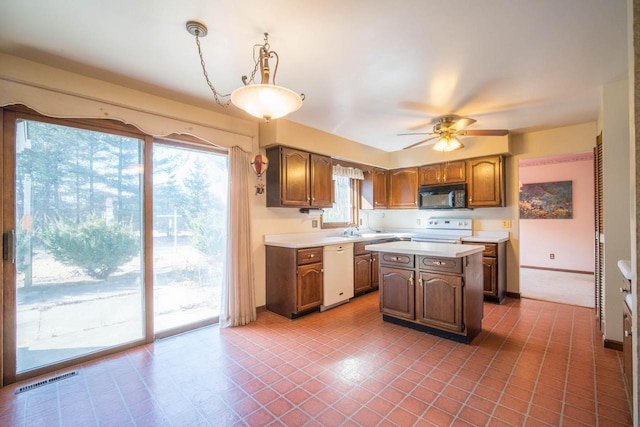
pixel 556 229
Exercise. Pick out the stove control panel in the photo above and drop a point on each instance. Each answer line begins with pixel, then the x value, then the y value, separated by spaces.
pixel 450 223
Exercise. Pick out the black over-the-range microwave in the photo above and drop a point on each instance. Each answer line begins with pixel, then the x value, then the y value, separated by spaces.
pixel 453 196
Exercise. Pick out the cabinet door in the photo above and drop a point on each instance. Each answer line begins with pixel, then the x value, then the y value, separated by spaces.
pixel 403 188
pixel 362 273
pixel 490 274
pixel 375 272
pixel 430 174
pixel 454 172
pixel 440 301
pixel 294 179
pixel 397 293
pixel 627 347
pixel 309 286
pixel 379 188
pixel 321 181
pixel 485 182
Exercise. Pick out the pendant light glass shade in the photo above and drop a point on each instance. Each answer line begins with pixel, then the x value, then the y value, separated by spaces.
pixel 448 143
pixel 266 101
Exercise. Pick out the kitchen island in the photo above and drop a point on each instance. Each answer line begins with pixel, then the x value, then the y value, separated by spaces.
pixel 432 287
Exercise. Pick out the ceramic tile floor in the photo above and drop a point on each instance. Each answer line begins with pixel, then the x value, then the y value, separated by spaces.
pixel 535 363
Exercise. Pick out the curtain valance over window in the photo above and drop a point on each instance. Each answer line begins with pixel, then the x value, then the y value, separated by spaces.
pixel 353 173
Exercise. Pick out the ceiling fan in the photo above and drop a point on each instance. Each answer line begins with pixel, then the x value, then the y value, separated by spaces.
pixel 448 128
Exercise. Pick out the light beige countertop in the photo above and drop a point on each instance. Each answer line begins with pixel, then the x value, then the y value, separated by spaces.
pixel 444 250
pixel 306 240
pixel 488 237
pixel 324 238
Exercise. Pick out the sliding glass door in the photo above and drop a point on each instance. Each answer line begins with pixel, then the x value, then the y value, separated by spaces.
pixel 110 239
pixel 77 242
pixel 189 235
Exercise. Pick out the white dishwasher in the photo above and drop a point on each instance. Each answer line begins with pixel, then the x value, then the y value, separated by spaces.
pixel 337 287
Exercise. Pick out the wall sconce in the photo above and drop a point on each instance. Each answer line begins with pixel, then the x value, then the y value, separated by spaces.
pixel 260 164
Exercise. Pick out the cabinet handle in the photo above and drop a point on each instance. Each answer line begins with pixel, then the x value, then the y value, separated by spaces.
pixel 420 282
pixel 371 261
pixel 311 255
pixel 623 291
pixel 437 262
pixel 313 198
pixel 411 280
pixel 627 333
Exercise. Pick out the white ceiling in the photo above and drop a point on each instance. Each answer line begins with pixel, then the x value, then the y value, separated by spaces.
pixel 369 69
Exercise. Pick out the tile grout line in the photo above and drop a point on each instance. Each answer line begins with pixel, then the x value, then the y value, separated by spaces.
pixel 502 392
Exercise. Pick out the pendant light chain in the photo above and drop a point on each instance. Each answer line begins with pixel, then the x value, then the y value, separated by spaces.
pixel 216 95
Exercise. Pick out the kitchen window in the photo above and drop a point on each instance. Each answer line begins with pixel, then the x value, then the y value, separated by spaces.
pixel 344 212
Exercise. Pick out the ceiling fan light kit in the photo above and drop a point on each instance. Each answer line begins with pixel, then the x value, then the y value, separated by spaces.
pixel 264 100
pixel 447 131
pixel 448 143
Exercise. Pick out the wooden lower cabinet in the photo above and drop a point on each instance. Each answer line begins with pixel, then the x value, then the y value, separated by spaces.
pixel 494 271
pixel 362 273
pixel 397 294
pixel 365 267
pixel 309 287
pixel 439 299
pixel 443 296
pixel 294 280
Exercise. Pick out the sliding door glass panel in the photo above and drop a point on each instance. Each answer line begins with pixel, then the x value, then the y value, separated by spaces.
pixel 189 235
pixel 78 204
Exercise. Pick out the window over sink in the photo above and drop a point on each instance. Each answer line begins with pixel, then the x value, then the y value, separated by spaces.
pixel 344 211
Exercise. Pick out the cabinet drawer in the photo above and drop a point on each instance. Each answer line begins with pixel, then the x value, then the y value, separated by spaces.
pixel 490 249
pixel 358 248
pixel 403 260
pixel 448 265
pixel 308 255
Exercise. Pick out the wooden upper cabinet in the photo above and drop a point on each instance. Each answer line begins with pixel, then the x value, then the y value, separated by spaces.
pixel 429 174
pixel 403 188
pixel 443 173
pixel 485 182
pixel 373 190
pixel 321 181
pixel 296 178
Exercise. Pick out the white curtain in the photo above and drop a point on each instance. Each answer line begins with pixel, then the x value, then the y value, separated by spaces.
pixel 353 173
pixel 238 295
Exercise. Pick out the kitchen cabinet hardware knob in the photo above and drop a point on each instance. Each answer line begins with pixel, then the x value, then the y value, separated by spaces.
pixel 313 198
pixel 371 261
pixel 311 255
pixel 627 333
pixel 420 282
pixel 438 262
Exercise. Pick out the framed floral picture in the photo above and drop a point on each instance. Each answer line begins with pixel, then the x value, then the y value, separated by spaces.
pixel 546 200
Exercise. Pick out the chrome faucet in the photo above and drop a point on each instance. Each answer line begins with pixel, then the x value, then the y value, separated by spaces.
pixel 350 231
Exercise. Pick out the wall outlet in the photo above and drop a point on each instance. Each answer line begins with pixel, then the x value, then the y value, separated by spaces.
pixel 418 221
pixel 506 223
pixel 360 221
pixel 314 223
pixel 552 256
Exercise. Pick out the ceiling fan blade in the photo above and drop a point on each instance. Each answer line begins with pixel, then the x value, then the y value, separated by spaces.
pixel 416 133
pixel 420 142
pixel 486 132
pixel 462 123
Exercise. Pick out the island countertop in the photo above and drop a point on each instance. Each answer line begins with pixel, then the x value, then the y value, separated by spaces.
pixel 444 250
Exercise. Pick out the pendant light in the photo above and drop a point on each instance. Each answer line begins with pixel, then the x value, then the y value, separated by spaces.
pixel 264 100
